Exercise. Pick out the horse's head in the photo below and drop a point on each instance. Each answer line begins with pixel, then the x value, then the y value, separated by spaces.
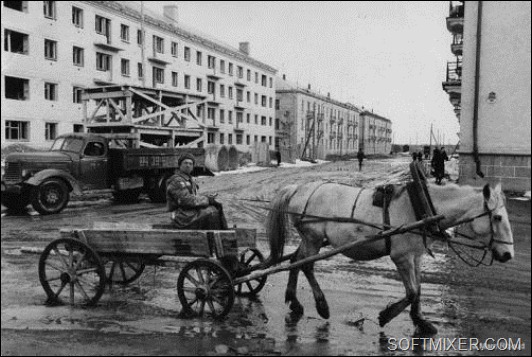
pixel 493 228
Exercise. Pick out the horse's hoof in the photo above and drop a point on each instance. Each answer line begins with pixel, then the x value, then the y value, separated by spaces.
pixel 383 319
pixel 296 308
pixel 323 309
pixel 425 328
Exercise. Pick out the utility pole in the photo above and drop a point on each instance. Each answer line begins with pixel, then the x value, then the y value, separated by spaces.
pixel 143 39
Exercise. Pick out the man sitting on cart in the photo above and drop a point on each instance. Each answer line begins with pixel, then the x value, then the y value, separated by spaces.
pixel 191 210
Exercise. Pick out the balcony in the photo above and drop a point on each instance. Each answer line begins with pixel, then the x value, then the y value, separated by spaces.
pixel 239 105
pixel 213 74
pixel 453 80
pixel 213 99
pixel 458 44
pixel 455 21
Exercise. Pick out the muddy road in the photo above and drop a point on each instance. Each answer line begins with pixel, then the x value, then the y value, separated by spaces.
pixel 143 318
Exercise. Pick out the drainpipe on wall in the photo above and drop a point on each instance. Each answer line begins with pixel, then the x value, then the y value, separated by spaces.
pixel 477 89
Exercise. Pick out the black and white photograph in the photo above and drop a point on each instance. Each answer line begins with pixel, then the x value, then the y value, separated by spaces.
pixel 266 178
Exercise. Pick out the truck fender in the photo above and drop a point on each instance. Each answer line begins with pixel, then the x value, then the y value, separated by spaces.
pixel 40 176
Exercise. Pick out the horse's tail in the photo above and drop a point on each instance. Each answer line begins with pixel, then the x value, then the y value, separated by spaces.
pixel 276 224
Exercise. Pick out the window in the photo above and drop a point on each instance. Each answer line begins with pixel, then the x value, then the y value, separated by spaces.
pixel 230 139
pixel 102 25
pixel 210 113
pixel 271 102
pixel 222 137
pixel 158 44
pixel 256 138
pixel 211 62
pixel 50 50
pixel 78 57
pixel 210 87
pixel 124 32
pixel 270 121
pixel 256 99
pixel 174 79
pixel 230 116
pixel 230 69
pixel 199 84
pixel 139 37
pixel 173 49
pixel 17 88
pixel 78 128
pixel 248 96
pixel 222 118
pixel 240 72
pixel 140 70
pixel 17 5
pixel 76 94
pixel 271 82
pixel 50 91
pixel 263 100
pixel 187 81
pixel 158 75
pixel 77 17
pixel 198 58
pixel 239 139
pixel 50 131
pixel 230 92
pixel 277 105
pixel 239 117
pixel 103 62
pixel 263 120
pixel 263 138
pixel 249 75
pixel 248 118
pixel 187 54
pixel 49 9
pixel 263 80
pixel 124 66
pixel 16 130
pixel 239 95
pixel 256 77
pixel 248 140
pixel 222 91
pixel 222 66
pixel 256 121
pixel 16 42
pixel 210 138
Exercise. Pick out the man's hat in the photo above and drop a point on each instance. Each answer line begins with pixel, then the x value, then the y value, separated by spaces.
pixel 186 156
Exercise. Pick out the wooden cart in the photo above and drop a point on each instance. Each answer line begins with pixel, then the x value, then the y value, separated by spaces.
pixel 77 267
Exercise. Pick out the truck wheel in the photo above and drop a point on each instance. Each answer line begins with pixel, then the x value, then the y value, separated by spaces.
pixel 127 196
pixel 50 197
pixel 157 193
pixel 15 202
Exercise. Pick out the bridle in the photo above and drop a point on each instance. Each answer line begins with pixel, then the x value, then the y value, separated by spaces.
pixel 472 261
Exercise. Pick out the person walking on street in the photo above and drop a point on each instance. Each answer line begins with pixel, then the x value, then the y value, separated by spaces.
pixel 191 210
pixel 278 157
pixel 360 157
pixel 438 164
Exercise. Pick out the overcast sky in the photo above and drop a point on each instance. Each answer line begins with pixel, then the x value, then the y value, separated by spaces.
pixel 387 56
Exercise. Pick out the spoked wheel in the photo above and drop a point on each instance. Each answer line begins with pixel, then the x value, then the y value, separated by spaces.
pixel 70 271
pixel 205 286
pixel 249 258
pixel 123 270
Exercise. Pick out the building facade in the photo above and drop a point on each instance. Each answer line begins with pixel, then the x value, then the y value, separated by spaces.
pixel 494 82
pixel 375 134
pixel 312 125
pixel 54 50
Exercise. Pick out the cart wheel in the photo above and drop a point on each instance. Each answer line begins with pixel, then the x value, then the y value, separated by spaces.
pixel 71 268
pixel 249 258
pixel 123 270
pixel 205 284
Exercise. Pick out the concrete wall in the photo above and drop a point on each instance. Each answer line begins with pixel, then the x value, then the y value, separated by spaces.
pixel 505 72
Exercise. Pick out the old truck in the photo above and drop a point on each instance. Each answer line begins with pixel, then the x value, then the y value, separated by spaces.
pixel 83 163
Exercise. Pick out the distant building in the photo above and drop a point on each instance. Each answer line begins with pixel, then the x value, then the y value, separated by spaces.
pixel 489 86
pixel 54 50
pixel 375 134
pixel 312 125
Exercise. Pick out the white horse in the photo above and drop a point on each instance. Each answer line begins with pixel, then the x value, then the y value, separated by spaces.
pixel 485 208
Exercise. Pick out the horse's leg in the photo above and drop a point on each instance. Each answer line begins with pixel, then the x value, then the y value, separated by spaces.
pixel 406 267
pixel 423 327
pixel 291 288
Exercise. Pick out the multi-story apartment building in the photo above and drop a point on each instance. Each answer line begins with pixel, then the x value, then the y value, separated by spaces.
pixel 491 91
pixel 312 125
pixel 54 50
pixel 375 134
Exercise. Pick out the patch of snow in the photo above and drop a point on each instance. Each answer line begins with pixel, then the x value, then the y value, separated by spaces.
pixel 527 194
pixel 254 167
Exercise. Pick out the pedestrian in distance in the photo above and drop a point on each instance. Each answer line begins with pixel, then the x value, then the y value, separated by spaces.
pixel 360 157
pixel 190 210
pixel 278 157
pixel 438 164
